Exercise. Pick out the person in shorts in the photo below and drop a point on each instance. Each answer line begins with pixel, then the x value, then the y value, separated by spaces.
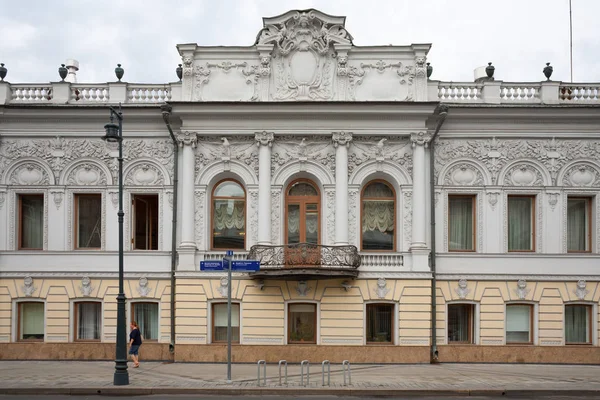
pixel 135 341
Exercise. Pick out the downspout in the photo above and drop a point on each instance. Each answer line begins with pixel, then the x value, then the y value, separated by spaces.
pixel 442 112
pixel 166 113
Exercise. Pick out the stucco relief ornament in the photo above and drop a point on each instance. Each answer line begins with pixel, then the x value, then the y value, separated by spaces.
pixel 264 138
pixel 187 138
pixel 29 174
pixel 222 288
pixel 341 139
pixel 521 289
pixel 381 290
pixel 420 139
pixel 2 199
pixel 265 65
pixel 187 65
pixel 143 288
pixel 379 147
pixel 302 288
pixel 114 198
pixel 581 291
pixel 421 69
pixel 462 290
pixel 581 175
pixel 493 199
pixel 28 288
pixel 86 286
pixel 523 175
pixel 57 196
pixel 553 199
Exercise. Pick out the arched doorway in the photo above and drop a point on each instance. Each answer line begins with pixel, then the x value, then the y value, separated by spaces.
pixel 302 213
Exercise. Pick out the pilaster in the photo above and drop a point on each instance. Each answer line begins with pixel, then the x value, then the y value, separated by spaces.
pixel 341 142
pixel 187 247
pixel 264 141
pixel 418 247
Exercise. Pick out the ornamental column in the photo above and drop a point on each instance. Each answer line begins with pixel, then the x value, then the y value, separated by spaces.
pixel 341 142
pixel 187 141
pixel 419 219
pixel 264 141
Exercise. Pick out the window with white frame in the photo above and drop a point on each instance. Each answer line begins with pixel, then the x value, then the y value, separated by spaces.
pixel 521 223
pixel 146 316
pixel 519 321
pixel 219 317
pixel 380 323
pixel 88 321
pixel 461 223
pixel 228 216
pixel 378 217
pixel 461 323
pixel 31 221
pixel 579 232
pixel 31 321
pixel 578 324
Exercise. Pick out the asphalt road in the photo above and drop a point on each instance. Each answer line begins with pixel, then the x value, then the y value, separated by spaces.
pixel 189 397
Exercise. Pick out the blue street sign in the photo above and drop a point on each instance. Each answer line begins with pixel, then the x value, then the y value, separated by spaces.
pixel 229 253
pixel 237 265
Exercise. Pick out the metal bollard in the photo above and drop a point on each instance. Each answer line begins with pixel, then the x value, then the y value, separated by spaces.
pixel 326 362
pixel 284 363
pixel 345 364
pixel 264 363
pixel 302 364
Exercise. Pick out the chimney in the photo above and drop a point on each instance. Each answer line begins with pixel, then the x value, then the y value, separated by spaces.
pixel 72 67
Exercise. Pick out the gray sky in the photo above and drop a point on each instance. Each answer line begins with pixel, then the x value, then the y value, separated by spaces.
pixel 518 36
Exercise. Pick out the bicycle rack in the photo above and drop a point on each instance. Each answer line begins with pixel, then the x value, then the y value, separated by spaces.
pixel 346 364
pixel 264 364
pixel 302 364
pixel 326 362
pixel 283 362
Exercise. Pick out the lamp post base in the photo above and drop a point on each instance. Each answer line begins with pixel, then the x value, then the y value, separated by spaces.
pixel 121 378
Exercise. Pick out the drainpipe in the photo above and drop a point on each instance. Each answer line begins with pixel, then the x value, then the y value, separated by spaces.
pixel 166 113
pixel 442 112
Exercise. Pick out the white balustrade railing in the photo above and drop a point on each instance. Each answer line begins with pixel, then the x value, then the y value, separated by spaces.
pixel 381 260
pixel 31 93
pixel 140 93
pixel 579 93
pixel 520 92
pixel 90 93
pixel 457 91
pixel 218 255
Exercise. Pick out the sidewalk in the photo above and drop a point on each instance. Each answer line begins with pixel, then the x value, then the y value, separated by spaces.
pixel 80 377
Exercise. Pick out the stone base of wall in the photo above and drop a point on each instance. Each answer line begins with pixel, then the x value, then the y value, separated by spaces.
pixel 519 354
pixel 78 351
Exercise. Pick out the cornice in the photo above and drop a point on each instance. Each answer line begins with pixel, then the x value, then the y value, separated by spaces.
pixel 80 274
pixel 516 277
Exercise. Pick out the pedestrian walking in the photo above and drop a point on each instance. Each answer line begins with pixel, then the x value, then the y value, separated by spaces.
pixel 135 341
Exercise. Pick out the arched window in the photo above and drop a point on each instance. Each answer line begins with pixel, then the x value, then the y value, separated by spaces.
pixel 228 216
pixel 378 218
pixel 303 208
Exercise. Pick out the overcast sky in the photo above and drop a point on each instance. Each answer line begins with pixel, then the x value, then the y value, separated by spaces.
pixel 518 36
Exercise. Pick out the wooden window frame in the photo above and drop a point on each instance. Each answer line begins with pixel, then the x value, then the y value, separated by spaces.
pixel 392 325
pixel 134 219
pixel 302 201
pixel 135 303
pixel 531 328
pixel 76 197
pixel 213 326
pixel 362 199
pixel 471 323
pixel 588 218
pixel 212 213
pixel 76 319
pixel 473 198
pixel 289 323
pixel 19 323
pixel 590 316
pixel 20 220
pixel 532 199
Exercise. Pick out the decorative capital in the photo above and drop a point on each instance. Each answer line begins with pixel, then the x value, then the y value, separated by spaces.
pixel 264 138
pixel 342 139
pixel 420 138
pixel 187 138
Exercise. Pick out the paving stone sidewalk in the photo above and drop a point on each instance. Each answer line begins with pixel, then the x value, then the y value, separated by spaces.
pixel 153 377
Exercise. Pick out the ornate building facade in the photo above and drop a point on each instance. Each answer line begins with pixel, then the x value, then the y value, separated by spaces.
pixel 383 206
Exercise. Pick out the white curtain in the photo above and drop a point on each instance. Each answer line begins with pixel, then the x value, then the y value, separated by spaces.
pixel 89 321
pixel 520 224
pixel 461 223
pixel 32 222
pixel 146 316
pixel 378 215
pixel 312 221
pixel 229 214
pixel 220 322
pixel 32 321
pixel 577 323
pixel 518 321
pixel 89 221
pixel 577 225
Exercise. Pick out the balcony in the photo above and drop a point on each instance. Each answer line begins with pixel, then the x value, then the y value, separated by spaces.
pixel 305 260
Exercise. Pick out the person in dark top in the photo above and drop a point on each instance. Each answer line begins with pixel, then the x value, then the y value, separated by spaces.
pixel 135 341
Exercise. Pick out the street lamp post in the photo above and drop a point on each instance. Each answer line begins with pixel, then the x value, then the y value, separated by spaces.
pixel 114 134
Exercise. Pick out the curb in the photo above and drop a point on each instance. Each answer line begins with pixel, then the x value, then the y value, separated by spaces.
pixel 133 391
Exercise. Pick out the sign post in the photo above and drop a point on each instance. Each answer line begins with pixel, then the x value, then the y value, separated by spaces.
pixel 229 284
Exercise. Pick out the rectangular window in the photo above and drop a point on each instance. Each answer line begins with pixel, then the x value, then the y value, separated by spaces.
pixel 146 316
pixel 31 221
pixel 380 323
pixel 461 223
pixel 88 221
pixel 521 223
pixel 145 222
pixel 31 321
pixel 219 315
pixel 460 323
pixel 578 327
pixel 579 236
pixel 302 322
pixel 88 321
pixel 518 323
